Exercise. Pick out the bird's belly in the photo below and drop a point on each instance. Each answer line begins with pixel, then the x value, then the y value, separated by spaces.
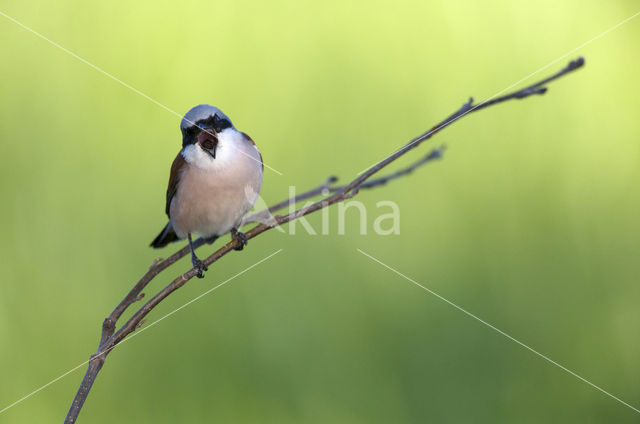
pixel 209 204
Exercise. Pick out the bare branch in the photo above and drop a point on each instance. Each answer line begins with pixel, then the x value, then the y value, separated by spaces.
pixel 327 187
pixel 333 194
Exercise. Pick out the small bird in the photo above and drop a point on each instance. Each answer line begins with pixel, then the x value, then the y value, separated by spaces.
pixel 214 181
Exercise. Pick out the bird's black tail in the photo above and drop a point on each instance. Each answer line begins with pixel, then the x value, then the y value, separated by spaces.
pixel 166 236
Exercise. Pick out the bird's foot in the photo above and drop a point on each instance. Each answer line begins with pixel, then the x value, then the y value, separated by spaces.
pixel 199 266
pixel 240 237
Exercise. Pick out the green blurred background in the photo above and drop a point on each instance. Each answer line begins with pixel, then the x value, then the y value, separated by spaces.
pixel 530 222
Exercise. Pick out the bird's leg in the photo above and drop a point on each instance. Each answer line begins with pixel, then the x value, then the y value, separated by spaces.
pixel 240 238
pixel 197 263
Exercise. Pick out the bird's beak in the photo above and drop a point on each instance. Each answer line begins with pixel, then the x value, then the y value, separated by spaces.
pixel 208 141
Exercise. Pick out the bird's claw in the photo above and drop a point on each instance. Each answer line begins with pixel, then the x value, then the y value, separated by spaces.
pixel 240 237
pixel 200 267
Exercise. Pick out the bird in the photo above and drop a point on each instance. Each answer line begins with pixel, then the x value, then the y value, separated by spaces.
pixel 214 181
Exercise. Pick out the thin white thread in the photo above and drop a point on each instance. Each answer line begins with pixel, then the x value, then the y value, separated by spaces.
pixel 499 331
pixel 141 330
pixel 518 82
pixel 135 90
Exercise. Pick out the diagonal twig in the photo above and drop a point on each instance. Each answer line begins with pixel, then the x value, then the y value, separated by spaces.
pixel 110 337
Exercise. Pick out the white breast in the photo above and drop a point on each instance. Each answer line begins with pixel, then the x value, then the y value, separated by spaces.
pixel 214 194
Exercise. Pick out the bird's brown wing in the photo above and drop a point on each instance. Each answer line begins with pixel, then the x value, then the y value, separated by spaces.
pixel 174 178
pixel 254 145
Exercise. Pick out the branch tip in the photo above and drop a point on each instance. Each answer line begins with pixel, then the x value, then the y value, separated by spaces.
pixel 577 63
pixel 436 153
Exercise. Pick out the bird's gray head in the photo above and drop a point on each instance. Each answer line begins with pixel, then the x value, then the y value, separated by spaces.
pixel 203 118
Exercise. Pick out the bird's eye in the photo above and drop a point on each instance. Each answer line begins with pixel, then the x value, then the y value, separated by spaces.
pixel 220 123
